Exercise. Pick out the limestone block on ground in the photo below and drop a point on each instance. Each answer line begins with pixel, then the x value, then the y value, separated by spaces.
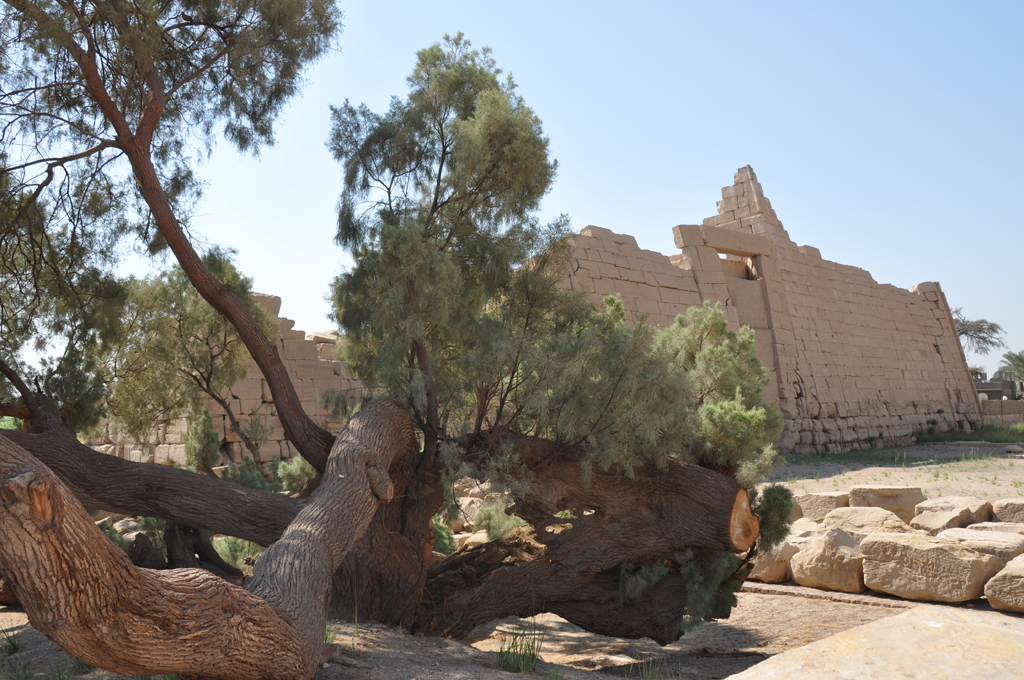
pixel 1005 591
pixel 469 508
pixel 833 561
pixel 816 505
pixel 473 540
pixel 803 527
pixel 1009 527
pixel 981 510
pixel 774 566
pixel 1003 545
pixel 934 521
pixel 918 567
pixel 899 499
pixel 861 522
pixel 1008 510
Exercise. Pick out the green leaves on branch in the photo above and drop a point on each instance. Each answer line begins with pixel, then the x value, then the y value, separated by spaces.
pixel 176 349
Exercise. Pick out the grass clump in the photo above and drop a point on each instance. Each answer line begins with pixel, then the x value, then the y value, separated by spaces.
pixel 495 521
pixel 996 435
pixel 234 551
pixel 10 643
pixel 444 539
pixel 651 669
pixel 518 650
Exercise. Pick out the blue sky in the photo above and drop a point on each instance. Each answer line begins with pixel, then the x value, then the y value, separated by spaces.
pixel 888 135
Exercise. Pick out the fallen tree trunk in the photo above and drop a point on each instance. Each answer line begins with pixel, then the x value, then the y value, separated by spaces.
pixel 572 566
pixel 80 590
pixel 112 484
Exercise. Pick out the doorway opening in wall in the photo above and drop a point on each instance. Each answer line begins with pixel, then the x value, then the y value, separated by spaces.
pixel 737 266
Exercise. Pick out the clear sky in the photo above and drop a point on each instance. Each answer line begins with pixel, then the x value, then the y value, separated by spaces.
pixel 889 135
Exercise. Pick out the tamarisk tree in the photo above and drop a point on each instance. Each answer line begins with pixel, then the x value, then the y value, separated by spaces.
pixel 630 452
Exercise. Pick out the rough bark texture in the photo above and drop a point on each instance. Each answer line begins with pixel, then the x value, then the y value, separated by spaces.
pixel 82 591
pixel 109 483
pixel 572 566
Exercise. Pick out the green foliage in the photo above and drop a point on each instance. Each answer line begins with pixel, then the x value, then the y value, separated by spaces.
pixel 154 528
pixel 234 550
pixel 116 538
pixel 773 506
pixel 980 336
pixel 1012 366
pixel 651 669
pixel 10 644
pixel 258 429
pixel 444 539
pixel 635 579
pixel 710 588
pixel 997 435
pixel 202 443
pixel 294 473
pixel 248 474
pixel 519 649
pixel 494 519
pixel 176 348
pixel 9 423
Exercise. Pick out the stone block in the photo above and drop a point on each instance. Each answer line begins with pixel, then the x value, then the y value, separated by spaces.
pixel 1010 527
pixel 980 510
pixel 815 506
pixel 803 528
pixel 833 561
pixel 898 499
pixel 299 349
pixel 1003 545
pixel 774 566
pixel 1008 510
pixel 935 521
pixel 860 522
pixel 919 567
pixel 1005 591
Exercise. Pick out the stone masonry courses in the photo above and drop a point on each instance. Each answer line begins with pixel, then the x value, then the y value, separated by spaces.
pixel 853 363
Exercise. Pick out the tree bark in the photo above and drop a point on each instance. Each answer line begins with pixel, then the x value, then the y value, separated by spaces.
pixel 571 566
pixel 82 591
pixel 109 483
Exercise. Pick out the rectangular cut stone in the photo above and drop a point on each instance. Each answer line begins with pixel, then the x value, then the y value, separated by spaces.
pixel 901 500
pixel 815 506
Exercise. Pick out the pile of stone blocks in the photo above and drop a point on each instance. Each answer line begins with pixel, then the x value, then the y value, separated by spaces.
pixel 314 370
pixel 853 363
pixel 892 540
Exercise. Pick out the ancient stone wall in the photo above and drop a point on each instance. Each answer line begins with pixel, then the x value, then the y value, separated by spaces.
pixel 313 369
pixel 853 362
pixel 1002 413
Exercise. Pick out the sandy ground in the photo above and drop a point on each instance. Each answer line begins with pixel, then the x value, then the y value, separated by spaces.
pixel 762 625
pixel 982 470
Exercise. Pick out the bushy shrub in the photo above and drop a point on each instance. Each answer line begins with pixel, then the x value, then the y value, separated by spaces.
pixel 295 473
pixel 234 550
pixel 444 540
pixel 248 474
pixel 493 519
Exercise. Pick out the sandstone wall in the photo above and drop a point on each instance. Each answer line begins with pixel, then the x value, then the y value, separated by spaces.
pixel 1000 413
pixel 310 362
pixel 853 362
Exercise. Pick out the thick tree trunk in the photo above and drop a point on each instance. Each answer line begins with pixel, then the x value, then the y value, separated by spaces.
pixel 109 483
pixel 83 592
pixel 572 566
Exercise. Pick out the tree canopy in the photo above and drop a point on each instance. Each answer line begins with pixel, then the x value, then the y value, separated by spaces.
pixel 977 335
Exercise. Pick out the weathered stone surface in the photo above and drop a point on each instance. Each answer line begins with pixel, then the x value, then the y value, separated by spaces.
pixel 833 561
pixel 1003 545
pixel 1008 527
pixel 934 521
pixel 981 510
pixel 861 522
pixel 919 567
pixel 1008 510
pixel 815 506
pixel 774 566
pixel 1005 591
pixel 804 527
pixel 924 643
pixel 898 499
